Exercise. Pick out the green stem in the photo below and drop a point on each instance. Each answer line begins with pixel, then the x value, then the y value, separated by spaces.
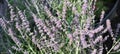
pixel 113 46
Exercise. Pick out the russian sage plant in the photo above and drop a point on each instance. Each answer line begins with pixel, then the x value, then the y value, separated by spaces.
pixel 54 27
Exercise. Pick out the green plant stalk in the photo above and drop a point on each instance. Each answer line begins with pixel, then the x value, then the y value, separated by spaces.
pixel 27 42
pixel 113 46
pixel 35 5
pixel 77 50
pixel 32 49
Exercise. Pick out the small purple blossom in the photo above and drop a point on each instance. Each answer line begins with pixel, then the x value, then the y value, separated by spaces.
pixel 15 39
pixel 82 38
pixel 25 22
pixel 94 51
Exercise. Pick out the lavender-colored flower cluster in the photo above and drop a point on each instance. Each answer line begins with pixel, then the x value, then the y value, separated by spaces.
pixel 57 34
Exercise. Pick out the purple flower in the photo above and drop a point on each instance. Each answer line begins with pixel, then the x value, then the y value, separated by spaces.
pixel 25 22
pixel 2 23
pixel 100 28
pixel 39 23
pixel 94 51
pixel 12 13
pixel 84 8
pixel 64 9
pixel 82 38
pixel 58 24
pixel 70 36
pixel 15 39
pixel 109 28
pixel 102 16
pixel 98 39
